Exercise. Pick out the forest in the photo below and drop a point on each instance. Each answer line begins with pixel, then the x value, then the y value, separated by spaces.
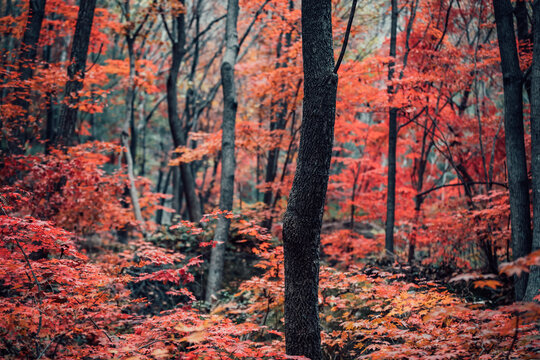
pixel 269 179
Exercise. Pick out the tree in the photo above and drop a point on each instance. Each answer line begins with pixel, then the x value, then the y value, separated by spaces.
pixel 228 159
pixel 76 71
pixel 518 183
pixel 533 284
pixel 392 139
pixel 303 217
pixel 28 51
pixel 177 36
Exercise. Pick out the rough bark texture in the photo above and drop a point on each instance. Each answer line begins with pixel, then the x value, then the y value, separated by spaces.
pixel 392 140
pixel 228 160
pixel 520 217
pixel 177 130
pixel 76 69
pixel 534 277
pixel 303 218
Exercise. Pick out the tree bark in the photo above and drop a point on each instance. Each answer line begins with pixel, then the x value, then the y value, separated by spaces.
pixel 159 213
pixel 303 217
pixel 28 50
pixel 132 188
pixel 278 122
pixel 228 160
pixel 76 70
pixel 520 217
pixel 392 139
pixel 27 56
pixel 533 284
pixel 177 130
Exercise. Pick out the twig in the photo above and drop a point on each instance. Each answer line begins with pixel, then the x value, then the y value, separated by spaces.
pixel 95 59
pixel 514 340
pixel 346 40
pixel 150 343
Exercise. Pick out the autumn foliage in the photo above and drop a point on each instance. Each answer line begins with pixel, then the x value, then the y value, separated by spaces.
pixel 83 277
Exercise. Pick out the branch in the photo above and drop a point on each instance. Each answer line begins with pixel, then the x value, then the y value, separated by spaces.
pixel 208 28
pixel 95 59
pixel 151 113
pixel 139 28
pixel 167 27
pixel 257 13
pixel 346 40
pixel 461 184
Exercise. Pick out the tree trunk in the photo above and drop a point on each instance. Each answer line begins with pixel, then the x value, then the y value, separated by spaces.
pixel 28 50
pixel 524 37
pixel 132 188
pixel 534 277
pixel 278 123
pixel 177 130
pixel 228 160
pixel 27 56
pixel 159 213
pixel 392 140
pixel 177 190
pixel 76 70
pixel 520 217
pixel 130 98
pixel 303 218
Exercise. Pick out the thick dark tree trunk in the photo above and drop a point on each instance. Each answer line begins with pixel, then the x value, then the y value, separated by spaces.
pixel 303 218
pixel 177 130
pixel 228 160
pixel 76 70
pixel 534 277
pixel 392 139
pixel 520 216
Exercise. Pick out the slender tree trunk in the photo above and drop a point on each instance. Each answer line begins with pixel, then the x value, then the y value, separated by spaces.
pixel 303 217
pixel 392 139
pixel 534 277
pixel 28 50
pixel 130 98
pixel 228 160
pixel 177 190
pixel 524 36
pixel 26 62
pixel 419 169
pixel 132 188
pixel 278 123
pixel 177 130
pixel 159 213
pixel 76 70
pixel 520 216
pixel 128 126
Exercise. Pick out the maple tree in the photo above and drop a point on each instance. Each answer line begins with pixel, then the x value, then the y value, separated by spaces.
pixel 188 179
